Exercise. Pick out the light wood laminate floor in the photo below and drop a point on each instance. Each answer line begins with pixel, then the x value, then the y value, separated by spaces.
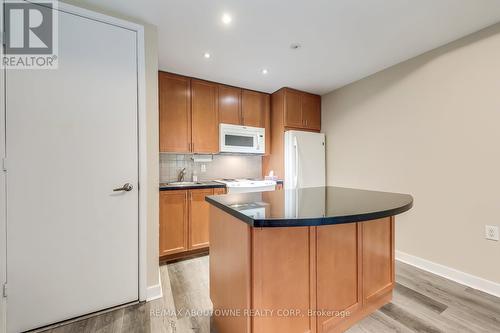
pixel 422 302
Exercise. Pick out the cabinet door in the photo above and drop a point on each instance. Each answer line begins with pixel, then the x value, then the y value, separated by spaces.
pixel 311 111
pixel 173 221
pixel 220 190
pixel 267 123
pixel 229 105
pixel 253 107
pixel 338 272
pixel 293 109
pixel 204 113
pixel 378 258
pixel 199 218
pixel 175 112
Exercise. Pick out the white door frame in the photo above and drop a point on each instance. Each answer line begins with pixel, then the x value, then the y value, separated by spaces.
pixel 142 146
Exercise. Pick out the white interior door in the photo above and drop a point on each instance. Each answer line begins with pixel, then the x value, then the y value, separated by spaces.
pixel 71 138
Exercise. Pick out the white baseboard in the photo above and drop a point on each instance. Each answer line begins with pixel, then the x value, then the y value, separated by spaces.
pixel 449 273
pixel 155 291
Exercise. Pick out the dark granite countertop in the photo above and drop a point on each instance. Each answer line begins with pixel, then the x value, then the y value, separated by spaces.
pixel 311 206
pixel 194 186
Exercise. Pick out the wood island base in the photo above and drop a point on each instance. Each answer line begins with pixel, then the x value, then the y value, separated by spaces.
pixel 298 279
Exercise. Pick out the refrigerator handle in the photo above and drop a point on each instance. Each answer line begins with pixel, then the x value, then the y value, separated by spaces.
pixel 296 174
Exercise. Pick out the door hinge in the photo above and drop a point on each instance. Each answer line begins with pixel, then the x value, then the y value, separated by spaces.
pixel 4 164
pixel 4 290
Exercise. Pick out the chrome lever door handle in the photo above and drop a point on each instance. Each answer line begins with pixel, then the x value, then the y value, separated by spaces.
pixel 126 187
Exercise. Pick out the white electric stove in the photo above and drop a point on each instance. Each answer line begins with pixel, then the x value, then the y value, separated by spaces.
pixel 243 185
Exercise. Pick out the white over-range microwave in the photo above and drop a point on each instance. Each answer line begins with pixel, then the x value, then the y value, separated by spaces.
pixel 242 139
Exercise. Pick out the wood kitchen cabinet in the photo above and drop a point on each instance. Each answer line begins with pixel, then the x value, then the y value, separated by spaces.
pixel 173 222
pixel 188 119
pixel 311 111
pixel 343 272
pixel 378 258
pixel 242 107
pixel 339 262
pixel 293 108
pixel 229 105
pixel 302 110
pixel 198 218
pixel 204 115
pixel 253 108
pixel 191 111
pixel 174 112
pixel 290 110
pixel 220 190
pixel 184 221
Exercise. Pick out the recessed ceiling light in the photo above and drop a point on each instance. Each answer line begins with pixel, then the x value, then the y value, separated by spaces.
pixel 265 71
pixel 207 55
pixel 226 18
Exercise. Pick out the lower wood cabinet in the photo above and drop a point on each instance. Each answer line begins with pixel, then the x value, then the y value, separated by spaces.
pixel 173 222
pixel 342 272
pixel 338 266
pixel 198 218
pixel 354 270
pixel 184 220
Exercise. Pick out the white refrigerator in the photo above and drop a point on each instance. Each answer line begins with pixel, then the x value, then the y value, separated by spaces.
pixel 304 159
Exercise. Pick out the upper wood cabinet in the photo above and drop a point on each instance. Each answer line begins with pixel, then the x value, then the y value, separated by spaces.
pixel 229 105
pixel 253 107
pixel 242 107
pixel 204 114
pixel 173 222
pixel 267 123
pixel 302 110
pixel 293 109
pixel 175 112
pixel 311 111
pixel 188 115
pixel 191 111
pixel 290 110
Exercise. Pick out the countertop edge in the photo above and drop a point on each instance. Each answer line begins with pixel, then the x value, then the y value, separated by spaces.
pixel 200 186
pixel 190 187
pixel 311 222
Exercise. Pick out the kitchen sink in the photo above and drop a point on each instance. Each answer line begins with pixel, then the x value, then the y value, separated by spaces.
pixel 184 183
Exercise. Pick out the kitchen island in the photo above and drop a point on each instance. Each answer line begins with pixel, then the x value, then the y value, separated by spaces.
pixel 306 260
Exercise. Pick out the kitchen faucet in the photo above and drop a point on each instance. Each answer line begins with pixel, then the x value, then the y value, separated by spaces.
pixel 181 175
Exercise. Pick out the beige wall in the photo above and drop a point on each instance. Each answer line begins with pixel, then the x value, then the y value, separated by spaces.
pixel 151 57
pixel 429 127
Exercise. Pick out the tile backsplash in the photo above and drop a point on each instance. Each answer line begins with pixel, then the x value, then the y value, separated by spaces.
pixel 221 166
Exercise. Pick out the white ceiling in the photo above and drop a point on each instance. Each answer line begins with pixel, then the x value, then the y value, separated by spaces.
pixel 342 40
